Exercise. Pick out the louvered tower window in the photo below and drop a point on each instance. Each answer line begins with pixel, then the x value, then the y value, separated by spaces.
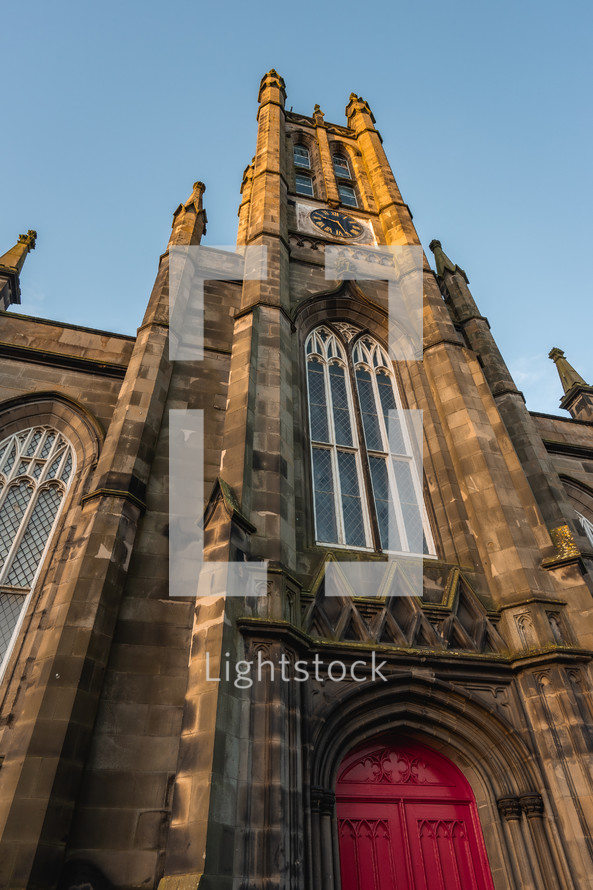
pixel 36 468
pixel 366 489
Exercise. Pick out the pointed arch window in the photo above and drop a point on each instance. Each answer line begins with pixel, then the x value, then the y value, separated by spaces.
pixel 36 469
pixel 366 489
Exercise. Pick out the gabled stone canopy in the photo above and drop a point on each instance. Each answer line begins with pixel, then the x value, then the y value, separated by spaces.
pixel 456 621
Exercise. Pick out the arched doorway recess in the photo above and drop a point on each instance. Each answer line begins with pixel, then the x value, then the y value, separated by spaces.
pixel 407 820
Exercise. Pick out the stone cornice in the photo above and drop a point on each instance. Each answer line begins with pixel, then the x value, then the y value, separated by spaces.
pixel 114 493
pixel 568 448
pixel 19 316
pixel 247 309
pixel 544 657
pixel 445 340
pixel 62 360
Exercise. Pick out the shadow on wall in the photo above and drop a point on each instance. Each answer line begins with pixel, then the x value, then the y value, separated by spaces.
pixel 80 875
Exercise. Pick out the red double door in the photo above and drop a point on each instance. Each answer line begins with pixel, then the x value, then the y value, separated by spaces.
pixel 407 820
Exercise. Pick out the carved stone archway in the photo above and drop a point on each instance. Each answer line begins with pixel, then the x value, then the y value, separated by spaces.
pixel 517 822
pixel 407 818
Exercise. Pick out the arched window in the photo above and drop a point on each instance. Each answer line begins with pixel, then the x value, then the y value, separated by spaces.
pixel 341 167
pixel 341 516
pixel 301 156
pixel 36 468
pixel 366 489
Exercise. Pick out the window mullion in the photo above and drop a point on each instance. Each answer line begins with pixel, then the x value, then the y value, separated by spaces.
pixel 387 456
pixel 338 507
pixel 62 489
pixel 397 504
pixel 16 543
pixel 408 458
pixel 367 493
pixel 12 550
pixel 358 447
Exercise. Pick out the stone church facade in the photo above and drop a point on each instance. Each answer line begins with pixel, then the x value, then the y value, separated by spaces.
pixel 465 762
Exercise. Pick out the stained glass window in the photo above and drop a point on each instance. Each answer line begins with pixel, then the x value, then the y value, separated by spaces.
pixel 36 467
pixel 367 491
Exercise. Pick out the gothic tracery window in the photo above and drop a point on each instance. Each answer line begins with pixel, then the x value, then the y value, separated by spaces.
pixel 36 468
pixel 366 489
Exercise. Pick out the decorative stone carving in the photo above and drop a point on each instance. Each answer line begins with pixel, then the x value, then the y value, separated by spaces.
pixel 575 677
pixel 532 804
pixel 526 630
pixel 509 808
pixel 29 239
pixel 543 679
pixel 387 766
pixel 564 542
pixel 556 626
pixel 323 800
pixel 347 330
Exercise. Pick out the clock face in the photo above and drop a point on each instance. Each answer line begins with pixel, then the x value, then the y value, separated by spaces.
pixel 335 223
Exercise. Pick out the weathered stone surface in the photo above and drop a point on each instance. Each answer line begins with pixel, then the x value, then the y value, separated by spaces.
pixel 123 744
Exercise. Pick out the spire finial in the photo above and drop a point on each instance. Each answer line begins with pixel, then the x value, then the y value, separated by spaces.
pixel 189 220
pixel 318 116
pixel 443 263
pixel 272 88
pixel 568 376
pixel 358 105
pixel 15 257
pixel 11 264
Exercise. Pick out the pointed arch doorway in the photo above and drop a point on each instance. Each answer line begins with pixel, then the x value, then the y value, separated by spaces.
pixel 407 820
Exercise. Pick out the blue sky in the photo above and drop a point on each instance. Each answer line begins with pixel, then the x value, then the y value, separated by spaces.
pixel 112 110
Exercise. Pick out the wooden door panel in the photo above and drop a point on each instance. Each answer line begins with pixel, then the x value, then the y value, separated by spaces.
pixel 406 828
pixel 446 850
pixel 370 853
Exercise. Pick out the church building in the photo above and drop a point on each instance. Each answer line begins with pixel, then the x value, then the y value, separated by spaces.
pixel 378 673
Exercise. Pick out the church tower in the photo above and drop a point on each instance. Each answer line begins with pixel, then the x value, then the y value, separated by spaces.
pixel 384 679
